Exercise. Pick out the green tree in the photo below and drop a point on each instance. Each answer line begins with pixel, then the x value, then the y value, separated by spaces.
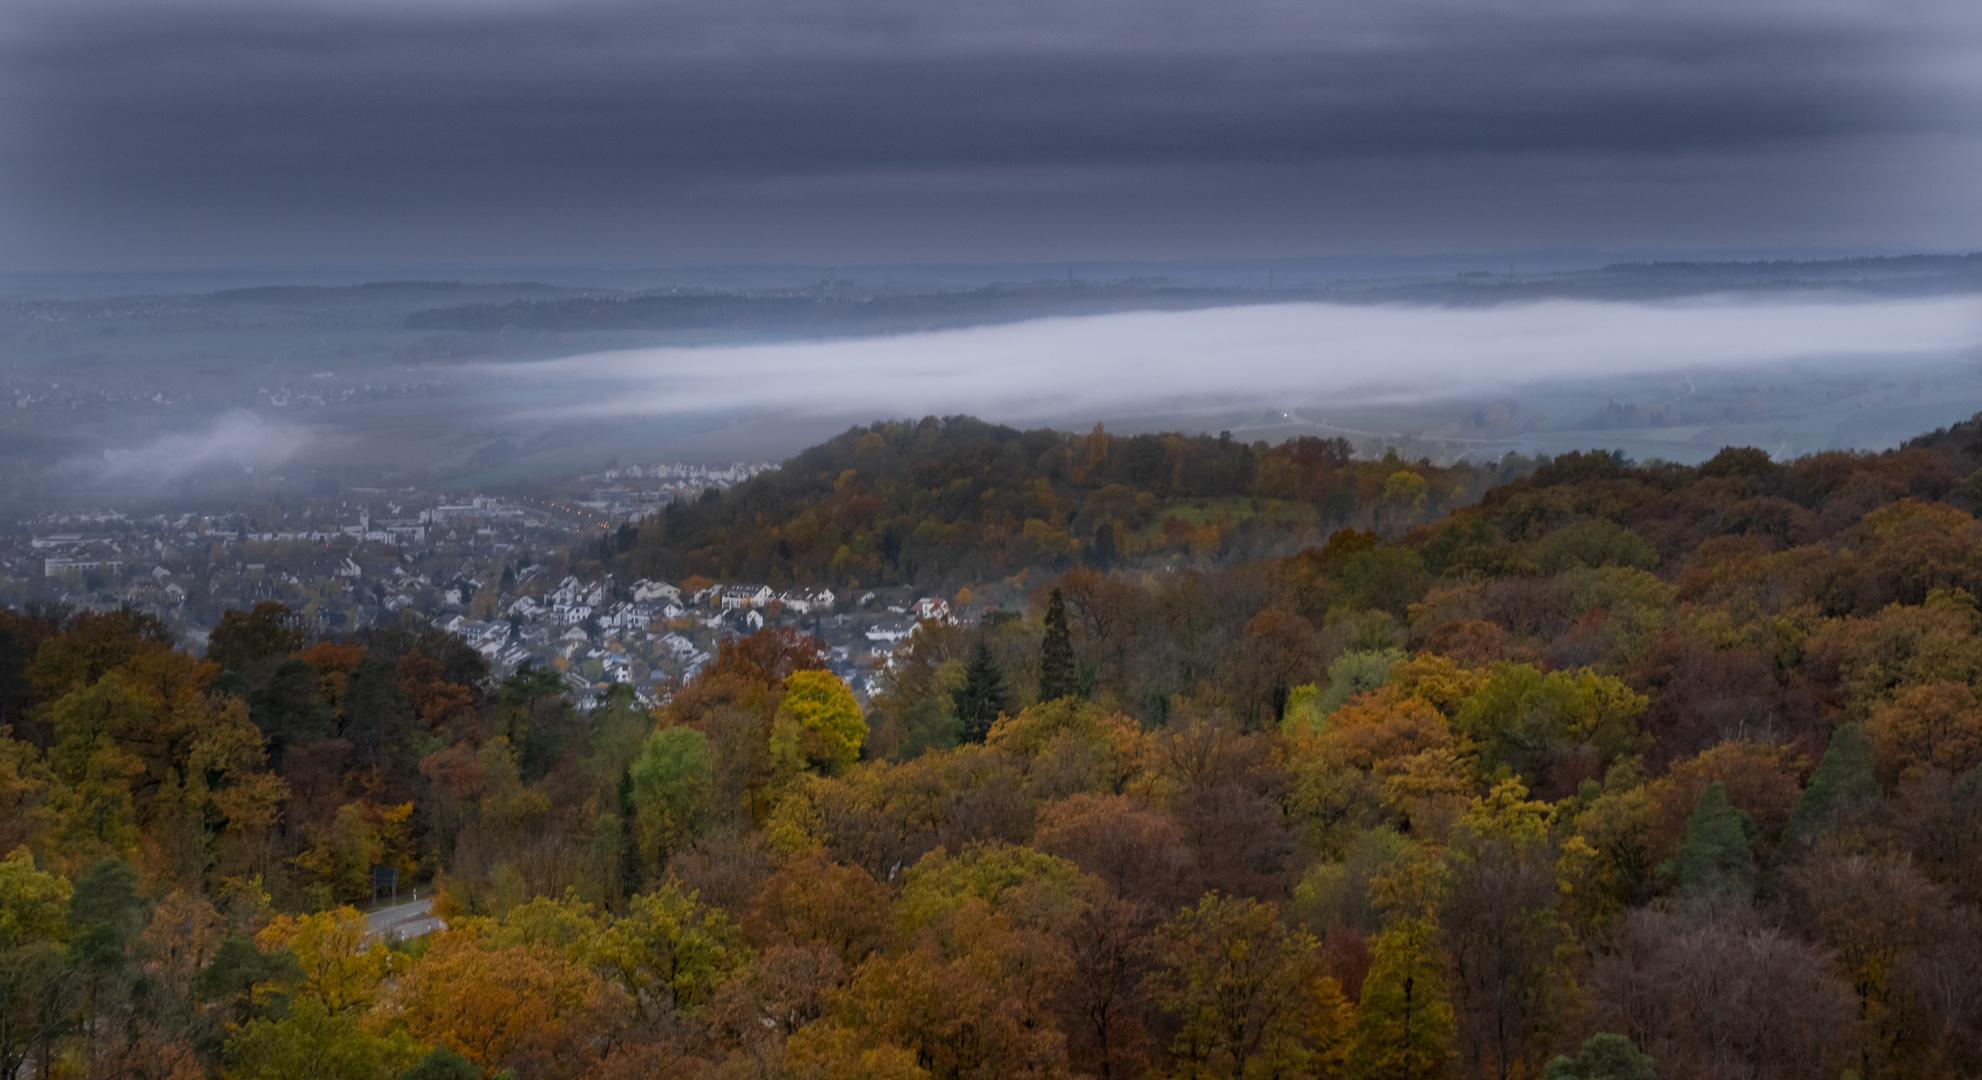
pixel 1526 720
pixel 105 911
pixel 540 722
pixel 246 640
pixel 670 793
pixel 313 1043
pixel 981 699
pixel 1030 888
pixel 1842 784
pixel 1718 852
pixel 243 983
pixel 289 708
pixel 669 952
pixel 1057 675
pixel 442 1064
pixel 1404 1029
pixel 1604 1056
pixel 92 804
pixel 1101 553
pixel 34 934
pixel 1354 673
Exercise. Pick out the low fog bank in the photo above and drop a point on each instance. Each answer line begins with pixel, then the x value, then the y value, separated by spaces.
pixel 237 439
pixel 1178 364
pixel 1674 380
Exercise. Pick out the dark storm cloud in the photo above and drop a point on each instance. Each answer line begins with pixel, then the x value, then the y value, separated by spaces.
pixel 213 120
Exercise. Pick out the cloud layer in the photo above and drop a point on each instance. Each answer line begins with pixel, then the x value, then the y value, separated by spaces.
pixel 1117 365
pixel 432 131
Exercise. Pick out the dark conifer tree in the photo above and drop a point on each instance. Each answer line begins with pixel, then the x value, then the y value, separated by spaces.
pixel 1718 852
pixel 981 699
pixel 1842 784
pixel 1101 553
pixel 1057 677
pixel 630 877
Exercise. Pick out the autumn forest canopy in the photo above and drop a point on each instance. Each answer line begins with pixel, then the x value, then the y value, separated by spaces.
pixel 1271 762
pixel 943 504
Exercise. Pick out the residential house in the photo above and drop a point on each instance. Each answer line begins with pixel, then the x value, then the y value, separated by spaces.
pixel 568 592
pixel 890 632
pixel 681 647
pixel 932 607
pixel 656 590
pixel 806 601
pixel 745 596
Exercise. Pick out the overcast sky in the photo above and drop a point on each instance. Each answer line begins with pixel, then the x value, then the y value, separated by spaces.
pixel 203 133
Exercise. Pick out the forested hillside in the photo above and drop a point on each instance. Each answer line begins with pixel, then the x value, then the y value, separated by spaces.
pixel 945 503
pixel 1614 772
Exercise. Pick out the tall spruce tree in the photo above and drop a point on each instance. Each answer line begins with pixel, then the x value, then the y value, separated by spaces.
pixel 981 699
pixel 630 877
pixel 1842 783
pixel 1718 852
pixel 1057 678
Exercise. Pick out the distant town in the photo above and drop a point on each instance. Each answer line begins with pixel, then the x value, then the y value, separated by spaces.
pixel 500 571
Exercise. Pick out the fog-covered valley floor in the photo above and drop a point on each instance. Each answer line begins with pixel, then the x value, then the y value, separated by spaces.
pixel 164 398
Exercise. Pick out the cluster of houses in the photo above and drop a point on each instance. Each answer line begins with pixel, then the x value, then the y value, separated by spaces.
pixel 651 634
pixel 470 566
pixel 638 491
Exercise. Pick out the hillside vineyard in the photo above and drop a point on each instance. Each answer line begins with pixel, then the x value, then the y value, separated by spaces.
pixel 1258 763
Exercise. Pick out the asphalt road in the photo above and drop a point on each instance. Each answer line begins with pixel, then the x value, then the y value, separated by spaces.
pixel 415 918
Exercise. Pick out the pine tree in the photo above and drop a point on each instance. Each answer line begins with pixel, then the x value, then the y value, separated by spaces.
pixel 1842 783
pixel 1404 1028
pixel 1056 653
pixel 981 699
pixel 630 878
pixel 1718 852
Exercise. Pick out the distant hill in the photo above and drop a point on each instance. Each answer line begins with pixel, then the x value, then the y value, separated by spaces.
pixel 846 310
pixel 941 503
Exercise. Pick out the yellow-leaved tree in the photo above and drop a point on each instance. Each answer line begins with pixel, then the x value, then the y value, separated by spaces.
pixel 819 727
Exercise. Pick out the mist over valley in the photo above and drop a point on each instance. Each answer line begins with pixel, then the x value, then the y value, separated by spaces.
pixel 149 399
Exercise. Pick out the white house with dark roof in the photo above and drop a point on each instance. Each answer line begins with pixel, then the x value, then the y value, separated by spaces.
pixel 806 601
pixel 656 590
pixel 890 632
pixel 745 596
